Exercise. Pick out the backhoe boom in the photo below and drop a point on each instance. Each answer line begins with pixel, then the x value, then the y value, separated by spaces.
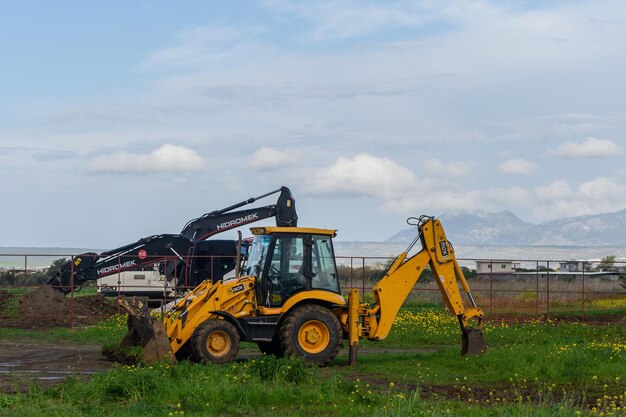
pixel 393 289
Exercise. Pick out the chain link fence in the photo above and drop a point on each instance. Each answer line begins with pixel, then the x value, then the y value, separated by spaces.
pixel 506 289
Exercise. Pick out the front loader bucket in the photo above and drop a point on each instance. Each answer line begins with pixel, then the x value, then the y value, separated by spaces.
pixel 148 332
pixel 472 342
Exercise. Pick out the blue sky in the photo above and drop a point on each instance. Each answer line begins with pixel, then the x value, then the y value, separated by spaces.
pixel 124 119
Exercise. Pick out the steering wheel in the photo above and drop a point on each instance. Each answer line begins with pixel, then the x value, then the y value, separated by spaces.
pixel 274 271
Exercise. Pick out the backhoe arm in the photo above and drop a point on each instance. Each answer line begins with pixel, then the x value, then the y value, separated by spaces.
pixel 391 291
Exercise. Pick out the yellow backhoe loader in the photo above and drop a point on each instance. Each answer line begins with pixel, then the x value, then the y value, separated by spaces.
pixel 286 298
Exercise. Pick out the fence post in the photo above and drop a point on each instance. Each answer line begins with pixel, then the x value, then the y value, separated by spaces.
pixel 583 302
pixel 165 284
pixel 17 283
pixel 351 272
pixel 363 277
pixel 547 289
pixel 537 288
pixel 25 269
pixel 490 286
pixel 72 292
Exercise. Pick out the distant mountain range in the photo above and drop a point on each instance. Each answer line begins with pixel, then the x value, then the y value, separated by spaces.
pixel 506 229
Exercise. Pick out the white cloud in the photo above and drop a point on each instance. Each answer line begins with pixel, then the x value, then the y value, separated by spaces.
pixel 167 158
pixel 603 188
pixel 397 187
pixel 451 169
pixel 558 200
pixel 363 175
pixel 431 199
pixel 558 190
pixel 590 148
pixel 507 197
pixel 518 167
pixel 267 159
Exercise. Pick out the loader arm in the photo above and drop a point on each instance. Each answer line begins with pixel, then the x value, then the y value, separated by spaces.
pixel 393 289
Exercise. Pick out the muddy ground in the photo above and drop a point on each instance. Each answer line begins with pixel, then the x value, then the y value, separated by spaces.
pixel 24 364
pixel 46 364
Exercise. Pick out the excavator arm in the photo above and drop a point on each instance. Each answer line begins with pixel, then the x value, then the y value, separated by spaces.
pixel 219 221
pixel 180 249
pixel 177 250
pixel 374 322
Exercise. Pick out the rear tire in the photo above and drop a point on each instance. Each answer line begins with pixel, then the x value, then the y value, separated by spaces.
pixel 313 333
pixel 214 341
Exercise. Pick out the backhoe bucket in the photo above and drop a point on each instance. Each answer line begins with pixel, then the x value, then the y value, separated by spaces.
pixel 148 332
pixel 472 342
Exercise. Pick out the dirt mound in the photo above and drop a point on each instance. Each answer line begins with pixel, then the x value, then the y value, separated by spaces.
pixel 94 305
pixel 46 307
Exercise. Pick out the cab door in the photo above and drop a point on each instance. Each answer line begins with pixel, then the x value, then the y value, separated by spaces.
pixel 288 268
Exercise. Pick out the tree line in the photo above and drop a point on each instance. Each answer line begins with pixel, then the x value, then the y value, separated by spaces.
pixel 19 277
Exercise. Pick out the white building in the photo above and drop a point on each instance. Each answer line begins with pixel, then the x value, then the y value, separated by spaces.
pixel 496 267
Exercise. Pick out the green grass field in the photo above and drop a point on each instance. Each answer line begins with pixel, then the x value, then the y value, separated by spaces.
pixel 535 369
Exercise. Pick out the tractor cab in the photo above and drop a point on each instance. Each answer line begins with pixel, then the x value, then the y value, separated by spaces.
pixel 289 260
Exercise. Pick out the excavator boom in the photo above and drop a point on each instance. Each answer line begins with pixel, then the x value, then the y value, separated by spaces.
pixel 181 250
pixel 225 219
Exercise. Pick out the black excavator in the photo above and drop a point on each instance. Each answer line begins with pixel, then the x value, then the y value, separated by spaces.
pixel 187 258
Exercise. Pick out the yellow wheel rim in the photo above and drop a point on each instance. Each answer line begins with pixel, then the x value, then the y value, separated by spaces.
pixel 313 336
pixel 218 343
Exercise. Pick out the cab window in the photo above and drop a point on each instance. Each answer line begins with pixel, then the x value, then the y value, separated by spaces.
pixel 256 255
pixel 286 274
pixel 324 271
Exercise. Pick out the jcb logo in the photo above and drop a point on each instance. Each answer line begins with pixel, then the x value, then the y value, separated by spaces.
pixel 237 288
pixel 443 244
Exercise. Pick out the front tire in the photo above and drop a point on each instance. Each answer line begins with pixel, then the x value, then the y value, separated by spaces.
pixel 214 341
pixel 313 333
